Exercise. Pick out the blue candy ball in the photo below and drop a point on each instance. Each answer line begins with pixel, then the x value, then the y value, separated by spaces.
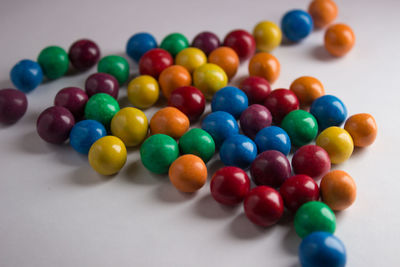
pixel 239 151
pixel 273 138
pixel 329 111
pixel 85 133
pixel 322 249
pixel 139 44
pixel 296 25
pixel 230 99
pixel 220 125
pixel 26 75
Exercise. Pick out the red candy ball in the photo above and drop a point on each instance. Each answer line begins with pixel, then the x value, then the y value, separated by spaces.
pixel 229 185
pixel 263 206
pixel 242 42
pixel 311 160
pixel 189 100
pixel 253 119
pixel 280 102
pixel 154 61
pixel 72 98
pixel 256 88
pixel 13 105
pixel 84 54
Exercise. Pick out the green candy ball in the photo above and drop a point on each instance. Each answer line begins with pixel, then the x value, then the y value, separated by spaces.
pixel 54 62
pixel 116 66
pixel 197 142
pixel 174 43
pixel 101 107
pixel 301 126
pixel 158 152
pixel 312 217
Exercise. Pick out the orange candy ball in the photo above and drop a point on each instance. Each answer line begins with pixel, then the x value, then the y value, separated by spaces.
pixel 170 121
pixel 307 89
pixel 323 12
pixel 173 77
pixel 226 58
pixel 339 39
pixel 188 173
pixel 338 190
pixel 362 128
pixel 265 65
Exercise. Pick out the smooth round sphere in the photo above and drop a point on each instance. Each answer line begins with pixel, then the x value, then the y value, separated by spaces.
pixel 230 99
pixel 307 89
pixel 158 152
pixel 229 185
pixel 265 65
pixel 170 121
pixel 107 155
pixel 13 105
pixel 242 42
pixel 191 58
pixel 143 91
pixel 362 128
pixel 270 168
pixel 238 150
pixel 206 41
pixel 74 99
pixel 220 125
pixel 189 100
pixel 339 39
pixel 298 190
pixel 301 127
pixel 311 160
pixel 296 25
pixel 197 142
pixel 116 66
pixel 154 61
pixel 102 108
pixel 329 111
pixel 84 134
pixel 102 83
pixel 130 125
pixel 174 43
pixel 54 62
pixel 253 119
pixel 323 12
pixel 263 206
pixel 173 77
pixel 314 216
pixel 209 78
pixel 322 249
pixel 226 58
pixel 337 142
pixel 338 190
pixel 84 54
pixel 188 173
pixel 54 124
pixel 139 44
pixel 268 36
pixel 281 102
pixel 273 138
pixel 256 88
pixel 26 75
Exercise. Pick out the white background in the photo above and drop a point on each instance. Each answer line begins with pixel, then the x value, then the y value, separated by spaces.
pixel 56 211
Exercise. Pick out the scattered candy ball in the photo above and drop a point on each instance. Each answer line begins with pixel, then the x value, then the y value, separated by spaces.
pixel 256 88
pixel 268 36
pixel 339 39
pixel 238 150
pixel 323 12
pixel 84 54
pixel 281 102
pixel 174 43
pixel 273 138
pixel 197 142
pixel 307 89
pixel 296 25
pixel 220 125
pixel 230 99
pixel 265 65
pixel 191 58
pixel 116 66
pixel 189 100
pixel 102 108
pixel 206 41
pixel 329 111
pixel 84 134
pixel 173 77
pixel 143 91
pixel 226 58
pixel 242 42
pixel 253 119
pixel 102 83
pixel 154 61
pixel 13 105
pixel 74 99
pixel 54 62
pixel 311 160
pixel 209 78
pixel 170 121
pixel 26 75
pixel 301 127
pixel 337 142
pixel 362 128
pixel 139 44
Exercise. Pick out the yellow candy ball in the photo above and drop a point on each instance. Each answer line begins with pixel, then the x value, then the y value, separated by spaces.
pixel 209 78
pixel 337 142
pixel 191 58
pixel 143 91
pixel 267 35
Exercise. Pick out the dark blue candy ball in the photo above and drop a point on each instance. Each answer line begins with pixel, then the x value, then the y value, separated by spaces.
pixel 139 44
pixel 230 99
pixel 239 151
pixel 85 133
pixel 220 125
pixel 273 138
pixel 329 111
pixel 26 75
pixel 296 25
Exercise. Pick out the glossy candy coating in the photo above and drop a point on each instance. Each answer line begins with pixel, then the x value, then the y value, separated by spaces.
pixel 84 54
pixel 206 41
pixel 26 75
pixel 173 77
pixel 170 121
pixel 230 99
pixel 253 119
pixel 311 160
pixel 174 43
pixel 74 99
pixel 54 62
pixel 267 35
pixel 189 100
pixel 323 12
pixel 296 25
pixel 281 102
pixel 139 44
pixel 116 66
pixel 337 142
pixel 256 88
pixel 220 125
pixel 301 127
pixel 339 39
pixel 273 138
pixel 209 78
pixel 13 105
pixel 102 108
pixel 265 65
pixel 84 134
pixel 362 128
pixel 242 42
pixel 307 89
pixel 197 142
pixel 329 111
pixel 188 173
pixel 102 83
pixel 226 58
pixel 143 91
pixel 191 58
pixel 238 150
pixel 154 61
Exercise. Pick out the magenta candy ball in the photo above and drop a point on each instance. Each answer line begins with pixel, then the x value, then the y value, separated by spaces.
pixel 13 105
pixel 102 83
pixel 84 54
pixel 254 118
pixel 72 98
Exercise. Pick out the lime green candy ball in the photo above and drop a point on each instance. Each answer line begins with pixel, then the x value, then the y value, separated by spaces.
pixel 197 142
pixel 116 66
pixel 301 126
pixel 174 43
pixel 54 62
pixel 102 108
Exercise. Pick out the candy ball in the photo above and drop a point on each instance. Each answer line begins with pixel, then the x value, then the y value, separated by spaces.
pixel 209 78
pixel 266 66
pixel 54 124
pixel 107 155
pixel 329 111
pixel 197 142
pixel 191 58
pixel 270 168
pixel 84 54
pixel 253 119
pixel 54 62
pixel 174 43
pixel 26 75
pixel 226 58
pixel 307 89
pixel 298 190
pixel 116 66
pixel 139 44
pixel 273 138
pixel 13 105
pixel 130 125
pixel 338 190
pixel 323 12
pixel 311 160
pixel 154 61
pixel 337 142
pixel 263 206
pixel 102 83
pixel 256 88
pixel 220 125
pixel 143 91
pixel 230 99
pixel 158 152
pixel 188 173
pixel 281 102
pixel 84 134
pixel 339 39
pixel 301 127
pixel 170 121
pixel 74 99
pixel 296 25
pixel 206 41
pixel 362 128
pixel 242 42
pixel 102 108
pixel 267 35
pixel 238 150
pixel 189 100
pixel 173 77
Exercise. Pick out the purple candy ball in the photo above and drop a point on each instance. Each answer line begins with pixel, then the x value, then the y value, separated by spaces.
pixel 13 105
pixel 206 41
pixel 254 118
pixel 84 54
pixel 102 83
pixel 74 99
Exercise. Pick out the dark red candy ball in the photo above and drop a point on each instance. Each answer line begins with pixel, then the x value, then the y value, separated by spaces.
pixel 206 41
pixel 54 124
pixel 84 54
pixel 256 88
pixel 13 105
pixel 298 190
pixel 154 61
pixel 189 100
pixel 242 42
pixel 254 118
pixel 270 168
pixel 263 206
pixel 102 83
pixel 280 102
pixel 311 160
pixel 74 99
